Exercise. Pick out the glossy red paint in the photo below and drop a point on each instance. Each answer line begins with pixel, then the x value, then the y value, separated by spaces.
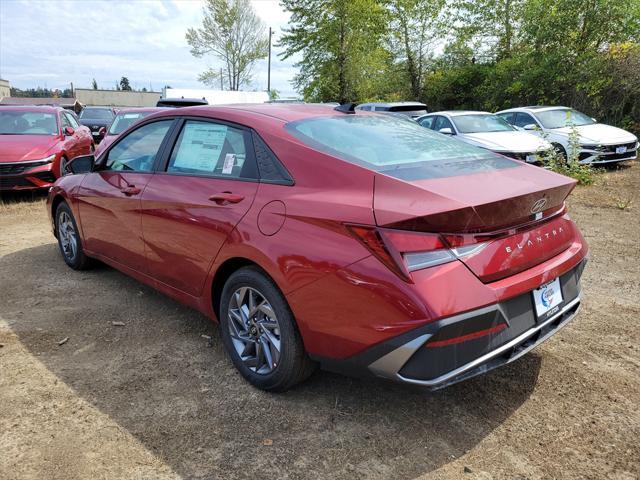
pixel 18 152
pixel 172 236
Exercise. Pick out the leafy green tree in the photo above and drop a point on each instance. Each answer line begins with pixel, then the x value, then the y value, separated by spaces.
pixel 414 30
pixel 232 32
pixel 341 42
pixel 124 84
pixel 489 26
pixel 94 84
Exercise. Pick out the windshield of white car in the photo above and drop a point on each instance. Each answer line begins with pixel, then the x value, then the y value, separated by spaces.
pixel 396 147
pixel 124 121
pixel 563 117
pixel 97 113
pixel 13 122
pixel 481 123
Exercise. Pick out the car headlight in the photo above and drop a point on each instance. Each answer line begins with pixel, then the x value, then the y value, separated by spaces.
pixel 39 163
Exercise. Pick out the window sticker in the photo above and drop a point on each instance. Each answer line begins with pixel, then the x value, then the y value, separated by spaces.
pixel 229 162
pixel 201 146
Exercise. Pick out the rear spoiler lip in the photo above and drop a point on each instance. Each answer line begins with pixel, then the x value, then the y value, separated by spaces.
pixel 503 230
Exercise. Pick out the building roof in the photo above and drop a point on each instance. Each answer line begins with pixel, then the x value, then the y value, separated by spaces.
pixel 37 101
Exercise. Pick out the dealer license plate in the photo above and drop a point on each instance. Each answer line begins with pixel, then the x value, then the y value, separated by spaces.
pixel 547 299
pixel 622 149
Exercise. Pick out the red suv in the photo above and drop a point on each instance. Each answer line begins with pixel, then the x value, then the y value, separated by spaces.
pixel 358 241
pixel 36 143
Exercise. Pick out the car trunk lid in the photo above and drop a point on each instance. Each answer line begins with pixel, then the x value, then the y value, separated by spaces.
pixel 512 212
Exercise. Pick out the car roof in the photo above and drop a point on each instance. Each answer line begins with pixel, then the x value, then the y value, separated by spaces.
pixel 33 108
pixel 534 108
pixel 393 104
pixel 455 113
pixel 100 107
pixel 140 109
pixel 284 112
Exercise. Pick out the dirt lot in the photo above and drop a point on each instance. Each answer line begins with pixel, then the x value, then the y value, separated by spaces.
pixel 155 399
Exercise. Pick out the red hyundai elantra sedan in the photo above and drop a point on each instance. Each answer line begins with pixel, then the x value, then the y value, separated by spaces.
pixel 360 242
pixel 36 143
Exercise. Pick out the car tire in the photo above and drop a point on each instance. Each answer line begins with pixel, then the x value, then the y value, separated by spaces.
pixel 561 151
pixel 69 239
pixel 64 166
pixel 269 333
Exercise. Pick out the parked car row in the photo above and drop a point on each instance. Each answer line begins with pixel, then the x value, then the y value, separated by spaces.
pixel 37 142
pixel 512 132
pixel 35 159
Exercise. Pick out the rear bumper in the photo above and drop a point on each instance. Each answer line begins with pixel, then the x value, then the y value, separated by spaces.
pixel 432 357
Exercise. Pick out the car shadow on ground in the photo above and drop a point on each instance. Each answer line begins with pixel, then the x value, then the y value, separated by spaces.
pixel 177 392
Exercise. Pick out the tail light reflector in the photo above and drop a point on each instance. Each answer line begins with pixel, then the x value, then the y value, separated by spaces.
pixel 404 252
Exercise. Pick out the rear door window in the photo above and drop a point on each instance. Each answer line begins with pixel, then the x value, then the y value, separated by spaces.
pixel 427 122
pixel 523 119
pixel 212 149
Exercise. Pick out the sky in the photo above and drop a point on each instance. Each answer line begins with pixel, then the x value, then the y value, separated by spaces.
pixel 50 43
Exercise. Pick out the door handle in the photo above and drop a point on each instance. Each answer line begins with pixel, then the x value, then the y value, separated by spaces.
pixel 226 197
pixel 130 190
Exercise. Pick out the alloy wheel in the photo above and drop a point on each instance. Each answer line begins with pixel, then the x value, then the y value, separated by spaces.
pixel 67 235
pixel 254 330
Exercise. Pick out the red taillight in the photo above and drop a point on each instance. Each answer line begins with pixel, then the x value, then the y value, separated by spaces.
pixel 372 239
pixel 402 251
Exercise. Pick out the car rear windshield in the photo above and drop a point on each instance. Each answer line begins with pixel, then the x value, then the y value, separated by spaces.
pixel 396 147
pixel 563 117
pixel 97 113
pixel 27 123
pixel 124 121
pixel 409 109
pixel 481 123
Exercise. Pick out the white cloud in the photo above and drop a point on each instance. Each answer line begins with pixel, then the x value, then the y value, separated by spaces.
pixel 51 44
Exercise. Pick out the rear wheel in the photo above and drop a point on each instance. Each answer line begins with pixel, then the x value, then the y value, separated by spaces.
pixel 69 239
pixel 259 332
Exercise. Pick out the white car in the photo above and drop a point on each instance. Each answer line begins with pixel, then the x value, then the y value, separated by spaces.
pixel 486 130
pixel 599 143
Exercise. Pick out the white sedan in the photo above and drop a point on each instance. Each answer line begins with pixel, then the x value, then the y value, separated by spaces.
pixel 486 130
pixel 598 143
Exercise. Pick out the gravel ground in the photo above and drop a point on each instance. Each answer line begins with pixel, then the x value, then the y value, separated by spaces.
pixel 157 398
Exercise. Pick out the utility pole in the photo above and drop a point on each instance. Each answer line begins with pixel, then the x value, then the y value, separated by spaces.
pixel 269 67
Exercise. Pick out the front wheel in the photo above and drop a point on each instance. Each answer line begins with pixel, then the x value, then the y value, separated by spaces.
pixel 69 239
pixel 259 332
pixel 64 166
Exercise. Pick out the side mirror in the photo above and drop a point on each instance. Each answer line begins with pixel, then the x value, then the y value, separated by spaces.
pixel 82 164
pixel 446 131
pixel 102 132
pixel 530 126
pixel 68 131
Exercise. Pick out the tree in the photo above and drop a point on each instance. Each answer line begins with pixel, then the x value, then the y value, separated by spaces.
pixel 273 94
pixel 124 84
pixel 490 26
pixel 343 57
pixel 232 32
pixel 414 30
pixel 94 84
